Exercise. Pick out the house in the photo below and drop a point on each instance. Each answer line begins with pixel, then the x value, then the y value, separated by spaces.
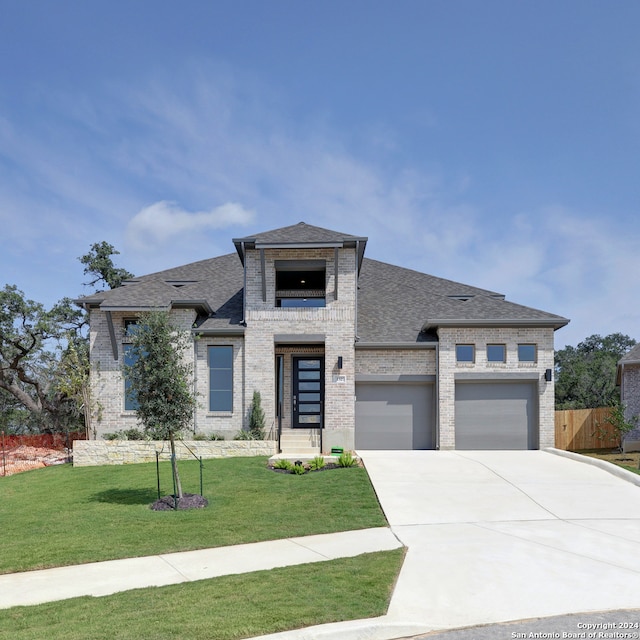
pixel 346 351
pixel 628 379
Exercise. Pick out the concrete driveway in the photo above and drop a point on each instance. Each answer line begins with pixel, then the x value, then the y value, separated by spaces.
pixel 494 536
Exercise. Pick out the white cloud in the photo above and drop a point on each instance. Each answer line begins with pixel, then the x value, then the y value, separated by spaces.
pixel 164 222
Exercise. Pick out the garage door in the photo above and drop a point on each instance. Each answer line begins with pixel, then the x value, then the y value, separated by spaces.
pixel 496 415
pixel 394 416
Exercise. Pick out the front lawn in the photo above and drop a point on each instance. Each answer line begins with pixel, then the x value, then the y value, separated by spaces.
pixel 226 608
pixel 64 515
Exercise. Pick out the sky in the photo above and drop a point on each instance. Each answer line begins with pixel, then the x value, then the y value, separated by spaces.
pixel 494 143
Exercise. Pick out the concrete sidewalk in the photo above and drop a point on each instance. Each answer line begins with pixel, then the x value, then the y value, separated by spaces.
pixel 105 578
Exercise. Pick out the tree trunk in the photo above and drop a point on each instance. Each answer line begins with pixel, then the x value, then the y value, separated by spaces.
pixel 174 466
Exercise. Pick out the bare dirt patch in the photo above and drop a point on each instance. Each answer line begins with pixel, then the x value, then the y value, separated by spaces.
pixel 25 458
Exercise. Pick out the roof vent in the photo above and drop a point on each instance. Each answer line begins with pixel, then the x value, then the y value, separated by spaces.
pixel 461 297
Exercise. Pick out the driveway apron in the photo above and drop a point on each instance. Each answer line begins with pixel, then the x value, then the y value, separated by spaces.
pixel 494 536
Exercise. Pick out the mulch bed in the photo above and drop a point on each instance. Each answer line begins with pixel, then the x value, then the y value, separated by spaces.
pixel 188 501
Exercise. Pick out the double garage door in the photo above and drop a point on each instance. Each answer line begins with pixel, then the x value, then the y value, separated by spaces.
pixel 395 416
pixel 488 415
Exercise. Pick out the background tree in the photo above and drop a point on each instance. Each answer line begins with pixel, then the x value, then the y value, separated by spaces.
pixel 29 337
pixel 586 374
pixel 44 354
pixel 98 264
pixel 161 380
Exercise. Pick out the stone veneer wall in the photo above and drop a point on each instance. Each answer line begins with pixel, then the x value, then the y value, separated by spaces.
pixel 630 395
pixel 336 322
pixel 480 337
pixel 107 382
pixel 88 453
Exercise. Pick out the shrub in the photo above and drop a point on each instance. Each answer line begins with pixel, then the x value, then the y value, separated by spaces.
pixel 346 459
pixel 317 463
pixel 125 434
pixel 243 434
pixel 216 436
pixel 282 464
pixel 298 469
pixel 256 417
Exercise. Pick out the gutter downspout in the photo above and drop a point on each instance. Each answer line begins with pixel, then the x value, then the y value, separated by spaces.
pixel 355 273
pixel 437 402
pixel 195 382
pixel 244 287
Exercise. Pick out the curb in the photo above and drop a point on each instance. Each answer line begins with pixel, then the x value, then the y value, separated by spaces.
pixel 611 468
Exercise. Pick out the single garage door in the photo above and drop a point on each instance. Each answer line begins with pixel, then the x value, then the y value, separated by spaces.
pixel 496 415
pixel 394 416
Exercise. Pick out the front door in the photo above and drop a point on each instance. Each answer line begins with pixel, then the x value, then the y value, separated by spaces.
pixel 308 391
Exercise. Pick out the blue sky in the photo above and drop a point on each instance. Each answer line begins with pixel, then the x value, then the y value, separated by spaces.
pixel 495 143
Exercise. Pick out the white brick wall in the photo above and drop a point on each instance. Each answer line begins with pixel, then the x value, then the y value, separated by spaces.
pixel 107 381
pixel 480 337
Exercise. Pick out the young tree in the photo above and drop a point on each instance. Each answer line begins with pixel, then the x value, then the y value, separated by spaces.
pixel 98 264
pixel 586 374
pixel 256 417
pixel 161 380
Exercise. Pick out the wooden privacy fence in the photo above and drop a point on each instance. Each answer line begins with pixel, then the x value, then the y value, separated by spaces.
pixel 578 429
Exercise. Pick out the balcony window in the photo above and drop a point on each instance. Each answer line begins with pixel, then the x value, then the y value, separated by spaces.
pixel 301 283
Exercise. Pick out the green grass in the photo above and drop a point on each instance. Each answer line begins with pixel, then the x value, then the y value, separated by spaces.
pixel 64 515
pixel 237 606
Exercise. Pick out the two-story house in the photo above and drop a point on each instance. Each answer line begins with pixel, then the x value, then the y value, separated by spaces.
pixel 345 351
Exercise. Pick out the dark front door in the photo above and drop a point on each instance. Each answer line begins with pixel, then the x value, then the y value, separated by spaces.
pixel 308 391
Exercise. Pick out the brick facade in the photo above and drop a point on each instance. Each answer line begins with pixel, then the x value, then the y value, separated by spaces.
pixel 630 395
pixel 480 338
pixel 268 331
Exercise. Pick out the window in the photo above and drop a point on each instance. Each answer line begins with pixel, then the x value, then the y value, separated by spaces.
pixel 527 353
pixel 300 283
pixel 130 400
pixel 496 353
pixel 465 353
pixel 220 378
pixel 130 327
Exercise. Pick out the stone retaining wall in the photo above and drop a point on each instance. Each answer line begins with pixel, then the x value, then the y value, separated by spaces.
pixel 88 453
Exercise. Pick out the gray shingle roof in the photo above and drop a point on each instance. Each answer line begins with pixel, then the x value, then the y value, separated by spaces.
pixel 631 357
pixel 400 305
pixel 394 304
pixel 301 233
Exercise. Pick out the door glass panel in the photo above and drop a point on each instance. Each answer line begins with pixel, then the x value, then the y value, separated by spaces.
pixel 309 386
pixel 309 375
pixel 308 364
pixel 309 419
pixel 309 408
pixel 309 397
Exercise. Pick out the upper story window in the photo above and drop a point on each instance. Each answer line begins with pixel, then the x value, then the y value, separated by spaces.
pixel 496 353
pixel 301 283
pixel 130 327
pixel 527 353
pixel 465 353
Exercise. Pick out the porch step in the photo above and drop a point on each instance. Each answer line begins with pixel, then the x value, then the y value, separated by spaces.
pixel 300 441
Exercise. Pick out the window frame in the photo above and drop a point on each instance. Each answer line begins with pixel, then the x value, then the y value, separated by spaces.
pixel 464 360
pixel 292 295
pixel 535 352
pixel 495 345
pixel 212 348
pixel 130 404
